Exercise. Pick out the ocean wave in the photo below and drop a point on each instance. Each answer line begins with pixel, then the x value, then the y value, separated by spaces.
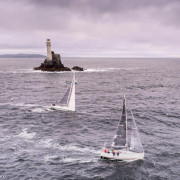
pixel 109 69
pixel 51 72
pixel 26 135
pixel 95 70
pixel 50 157
pixel 29 71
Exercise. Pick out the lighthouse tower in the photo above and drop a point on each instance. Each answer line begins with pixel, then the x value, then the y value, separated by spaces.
pixel 49 54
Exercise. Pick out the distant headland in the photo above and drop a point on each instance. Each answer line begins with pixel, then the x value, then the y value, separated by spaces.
pixel 53 62
pixel 21 55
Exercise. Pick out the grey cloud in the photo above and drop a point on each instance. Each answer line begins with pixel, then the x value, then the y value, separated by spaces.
pixel 91 25
pixel 101 5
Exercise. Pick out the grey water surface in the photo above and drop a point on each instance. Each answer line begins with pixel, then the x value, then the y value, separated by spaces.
pixel 38 143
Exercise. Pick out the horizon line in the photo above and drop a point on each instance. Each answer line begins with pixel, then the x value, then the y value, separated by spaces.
pixel 11 54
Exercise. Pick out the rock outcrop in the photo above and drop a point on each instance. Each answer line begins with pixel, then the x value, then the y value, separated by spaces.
pixel 77 68
pixel 53 61
pixel 54 65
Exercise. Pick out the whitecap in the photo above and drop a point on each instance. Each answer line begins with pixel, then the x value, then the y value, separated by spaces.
pixel 96 70
pixel 66 160
pixel 26 135
pixel 108 69
pixel 50 72
pixel 46 143
pixel 50 157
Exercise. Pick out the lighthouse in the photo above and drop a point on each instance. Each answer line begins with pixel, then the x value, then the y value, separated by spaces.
pixel 53 61
pixel 49 54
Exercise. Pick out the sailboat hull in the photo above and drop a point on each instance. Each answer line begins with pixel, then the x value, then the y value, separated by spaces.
pixel 123 156
pixel 62 108
pixel 68 101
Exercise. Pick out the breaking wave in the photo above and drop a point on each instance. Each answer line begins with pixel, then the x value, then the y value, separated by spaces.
pixel 109 69
pixel 29 71
pixel 50 157
pixel 27 135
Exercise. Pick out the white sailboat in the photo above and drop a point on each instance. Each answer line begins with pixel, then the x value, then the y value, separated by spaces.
pixel 67 103
pixel 126 145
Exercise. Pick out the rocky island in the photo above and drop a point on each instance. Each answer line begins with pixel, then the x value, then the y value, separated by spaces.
pixel 53 62
pixel 77 68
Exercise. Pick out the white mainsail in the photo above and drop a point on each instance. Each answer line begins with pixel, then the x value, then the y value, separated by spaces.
pixel 120 138
pixel 71 98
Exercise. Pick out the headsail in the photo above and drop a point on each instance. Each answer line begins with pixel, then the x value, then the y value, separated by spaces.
pixel 135 142
pixel 69 97
pixel 120 138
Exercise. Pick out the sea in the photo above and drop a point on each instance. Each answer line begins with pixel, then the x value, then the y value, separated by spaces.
pixel 37 143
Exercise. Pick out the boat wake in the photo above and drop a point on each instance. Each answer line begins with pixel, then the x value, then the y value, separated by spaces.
pixel 79 160
pixel 36 108
pixel 48 143
pixel 41 109
pixel 68 159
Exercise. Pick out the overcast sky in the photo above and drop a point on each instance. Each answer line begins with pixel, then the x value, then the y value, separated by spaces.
pixel 117 28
